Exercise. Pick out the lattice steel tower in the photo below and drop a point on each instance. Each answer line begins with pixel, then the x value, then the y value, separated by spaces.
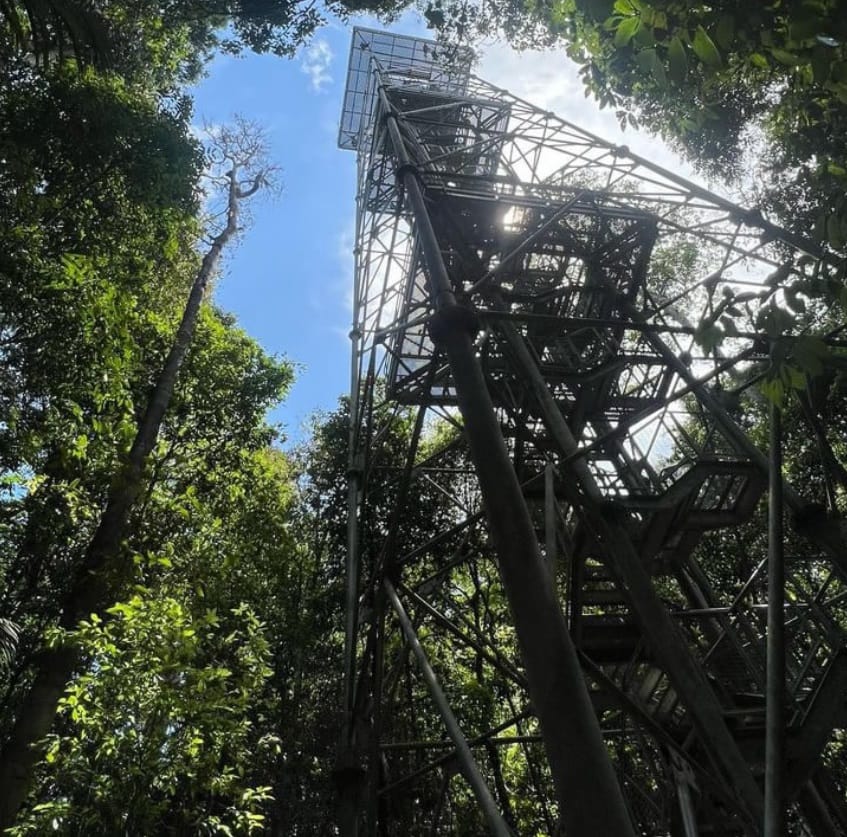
pixel 557 569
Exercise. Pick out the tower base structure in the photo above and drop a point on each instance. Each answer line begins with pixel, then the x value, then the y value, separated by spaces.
pixel 557 579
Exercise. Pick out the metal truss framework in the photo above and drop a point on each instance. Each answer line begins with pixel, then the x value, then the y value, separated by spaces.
pixel 532 288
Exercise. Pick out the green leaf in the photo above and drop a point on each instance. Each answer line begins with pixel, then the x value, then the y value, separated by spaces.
pixel 596 10
pixel 725 31
pixel 821 62
pixel 644 37
pixel 774 321
pixel 705 49
pixel 434 17
pixel 789 59
pixel 804 28
pixel 810 353
pixel 709 336
pixel 794 377
pixel 171 247
pixel 773 390
pixel 729 326
pixel 649 61
pixel 833 230
pixel 626 30
pixel 80 446
pixel 677 61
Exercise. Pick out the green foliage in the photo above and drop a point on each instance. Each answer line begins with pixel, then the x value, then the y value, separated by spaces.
pixel 98 195
pixel 86 303
pixel 168 42
pixel 162 737
pixel 710 77
pixel 82 142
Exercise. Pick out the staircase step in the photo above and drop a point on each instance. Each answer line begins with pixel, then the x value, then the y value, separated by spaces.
pixel 593 596
pixel 608 640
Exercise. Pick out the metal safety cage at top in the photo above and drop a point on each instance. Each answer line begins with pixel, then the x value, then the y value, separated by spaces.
pixel 570 336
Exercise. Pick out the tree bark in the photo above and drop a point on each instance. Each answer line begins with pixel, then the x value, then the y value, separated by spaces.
pixel 104 570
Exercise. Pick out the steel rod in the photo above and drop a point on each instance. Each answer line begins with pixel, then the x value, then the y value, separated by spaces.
pixel 775 685
pixel 550 520
pixel 469 767
pixel 348 771
pixel 374 755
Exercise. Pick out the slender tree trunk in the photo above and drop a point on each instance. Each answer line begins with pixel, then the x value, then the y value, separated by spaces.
pixel 104 570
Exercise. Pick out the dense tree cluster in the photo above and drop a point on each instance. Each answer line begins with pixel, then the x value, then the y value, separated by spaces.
pixel 145 515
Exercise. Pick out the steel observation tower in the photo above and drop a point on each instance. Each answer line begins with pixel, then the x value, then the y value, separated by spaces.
pixel 561 610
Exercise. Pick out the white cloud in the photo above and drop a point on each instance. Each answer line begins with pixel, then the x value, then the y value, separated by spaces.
pixel 315 63
pixel 549 80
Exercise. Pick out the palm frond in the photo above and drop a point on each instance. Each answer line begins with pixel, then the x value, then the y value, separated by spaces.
pixel 9 636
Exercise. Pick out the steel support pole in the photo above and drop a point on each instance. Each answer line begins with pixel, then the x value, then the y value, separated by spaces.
pixel 374 777
pixel 775 685
pixel 352 558
pixel 683 778
pixel 468 765
pixel 348 773
pixel 550 520
pixel 586 786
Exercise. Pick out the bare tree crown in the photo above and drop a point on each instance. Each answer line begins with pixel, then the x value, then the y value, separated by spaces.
pixel 238 167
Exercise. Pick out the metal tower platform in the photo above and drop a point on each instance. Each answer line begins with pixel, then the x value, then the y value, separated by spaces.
pixel 557 565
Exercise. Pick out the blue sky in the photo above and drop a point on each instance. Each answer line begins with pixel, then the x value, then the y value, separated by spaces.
pixel 289 280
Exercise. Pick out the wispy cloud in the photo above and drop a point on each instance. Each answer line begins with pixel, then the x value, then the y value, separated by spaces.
pixel 315 63
pixel 550 80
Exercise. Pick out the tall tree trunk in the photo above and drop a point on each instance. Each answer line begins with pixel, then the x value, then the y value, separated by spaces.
pixel 104 569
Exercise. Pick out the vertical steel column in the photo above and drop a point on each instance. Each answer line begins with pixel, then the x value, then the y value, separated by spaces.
pixel 348 772
pixel 467 763
pixel 375 825
pixel 590 798
pixel 683 777
pixel 352 558
pixel 775 702
pixel 550 520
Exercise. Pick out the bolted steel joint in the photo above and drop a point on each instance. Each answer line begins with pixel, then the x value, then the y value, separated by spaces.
pixel 450 319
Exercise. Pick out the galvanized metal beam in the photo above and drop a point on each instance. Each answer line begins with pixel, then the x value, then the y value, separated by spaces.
pixel 775 807
pixel 468 765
